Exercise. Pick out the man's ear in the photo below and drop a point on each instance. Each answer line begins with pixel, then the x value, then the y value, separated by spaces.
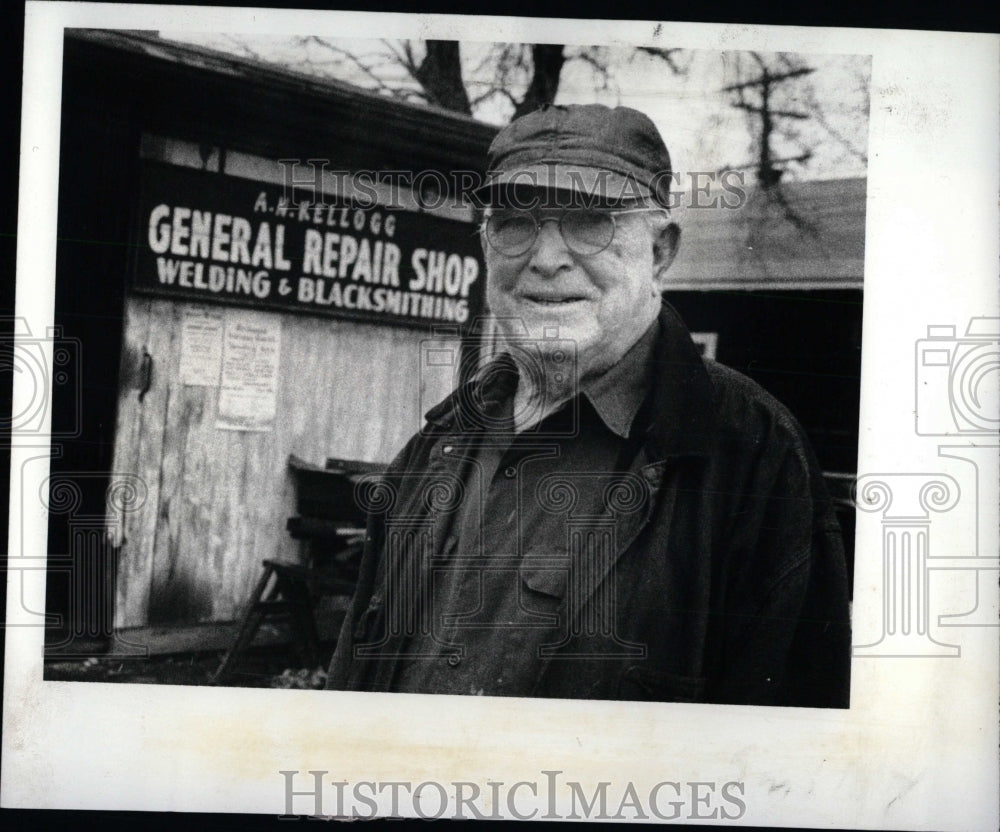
pixel 665 250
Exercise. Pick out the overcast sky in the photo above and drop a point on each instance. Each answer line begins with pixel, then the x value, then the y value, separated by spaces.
pixel 702 129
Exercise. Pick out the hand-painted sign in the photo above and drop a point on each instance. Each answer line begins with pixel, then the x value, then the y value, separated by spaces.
pixel 210 237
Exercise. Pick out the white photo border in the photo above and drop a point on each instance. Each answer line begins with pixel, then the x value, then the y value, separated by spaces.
pixel 916 749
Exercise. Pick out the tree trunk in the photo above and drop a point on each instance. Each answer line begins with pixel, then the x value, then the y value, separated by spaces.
pixel 440 74
pixel 548 63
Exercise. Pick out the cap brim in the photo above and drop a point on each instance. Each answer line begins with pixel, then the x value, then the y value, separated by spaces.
pixel 595 185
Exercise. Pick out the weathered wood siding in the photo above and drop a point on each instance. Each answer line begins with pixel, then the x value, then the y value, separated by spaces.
pixel 218 499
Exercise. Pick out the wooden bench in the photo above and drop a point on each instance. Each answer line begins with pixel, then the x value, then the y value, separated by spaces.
pixel 330 525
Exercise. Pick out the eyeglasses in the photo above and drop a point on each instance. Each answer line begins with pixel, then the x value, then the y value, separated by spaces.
pixel 585 231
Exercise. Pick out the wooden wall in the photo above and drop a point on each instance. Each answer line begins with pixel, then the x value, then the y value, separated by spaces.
pixel 217 500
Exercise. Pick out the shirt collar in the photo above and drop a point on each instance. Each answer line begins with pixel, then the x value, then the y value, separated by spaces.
pixel 616 395
pixel 619 392
pixel 681 416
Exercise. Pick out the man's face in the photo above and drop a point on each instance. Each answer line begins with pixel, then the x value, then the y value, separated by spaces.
pixel 602 302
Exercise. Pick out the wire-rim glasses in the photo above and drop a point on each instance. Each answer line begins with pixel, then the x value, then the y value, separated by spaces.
pixel 585 231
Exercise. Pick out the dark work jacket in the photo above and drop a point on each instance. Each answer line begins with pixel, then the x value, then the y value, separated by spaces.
pixel 728 572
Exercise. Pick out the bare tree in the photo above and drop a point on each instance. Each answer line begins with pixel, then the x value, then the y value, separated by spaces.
pixel 547 63
pixel 771 100
pixel 792 119
pixel 439 73
pixel 515 77
pixel 769 114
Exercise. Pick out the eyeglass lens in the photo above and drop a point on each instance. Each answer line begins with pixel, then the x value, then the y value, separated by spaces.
pixel 585 232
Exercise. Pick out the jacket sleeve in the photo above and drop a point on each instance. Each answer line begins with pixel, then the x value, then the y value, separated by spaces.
pixel 339 674
pixel 791 641
pixel 342 674
pixel 818 666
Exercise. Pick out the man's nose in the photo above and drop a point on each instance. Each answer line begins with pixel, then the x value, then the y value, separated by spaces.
pixel 549 254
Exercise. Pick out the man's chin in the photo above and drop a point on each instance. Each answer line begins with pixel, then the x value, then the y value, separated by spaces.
pixel 535 320
pixel 544 331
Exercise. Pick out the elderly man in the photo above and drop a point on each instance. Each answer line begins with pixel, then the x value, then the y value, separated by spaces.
pixel 599 513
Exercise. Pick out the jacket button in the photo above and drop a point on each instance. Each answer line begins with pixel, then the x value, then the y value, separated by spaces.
pixel 454 660
pixel 510 472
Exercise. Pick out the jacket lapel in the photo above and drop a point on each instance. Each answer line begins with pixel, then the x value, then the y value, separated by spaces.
pixel 678 420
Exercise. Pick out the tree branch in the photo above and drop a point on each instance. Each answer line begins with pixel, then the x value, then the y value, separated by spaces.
pixel 772 78
pixel 666 55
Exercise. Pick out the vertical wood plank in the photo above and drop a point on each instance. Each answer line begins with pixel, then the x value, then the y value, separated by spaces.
pixel 173 596
pixel 131 530
pixel 144 423
pixel 218 500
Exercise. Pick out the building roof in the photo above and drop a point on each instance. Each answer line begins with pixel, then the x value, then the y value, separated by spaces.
pixel 805 235
pixel 201 94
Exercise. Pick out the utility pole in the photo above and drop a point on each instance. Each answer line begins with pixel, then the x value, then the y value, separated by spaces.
pixel 769 169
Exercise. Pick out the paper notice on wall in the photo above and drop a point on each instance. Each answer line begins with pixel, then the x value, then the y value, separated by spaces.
pixel 250 359
pixel 201 347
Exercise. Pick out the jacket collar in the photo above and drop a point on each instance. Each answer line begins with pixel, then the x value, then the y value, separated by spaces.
pixel 678 412
pixel 682 418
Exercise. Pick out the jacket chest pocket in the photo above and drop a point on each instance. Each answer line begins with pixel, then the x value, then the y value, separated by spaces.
pixel 641 684
pixel 548 582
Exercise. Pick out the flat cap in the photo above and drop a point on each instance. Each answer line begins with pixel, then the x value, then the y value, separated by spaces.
pixel 611 154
